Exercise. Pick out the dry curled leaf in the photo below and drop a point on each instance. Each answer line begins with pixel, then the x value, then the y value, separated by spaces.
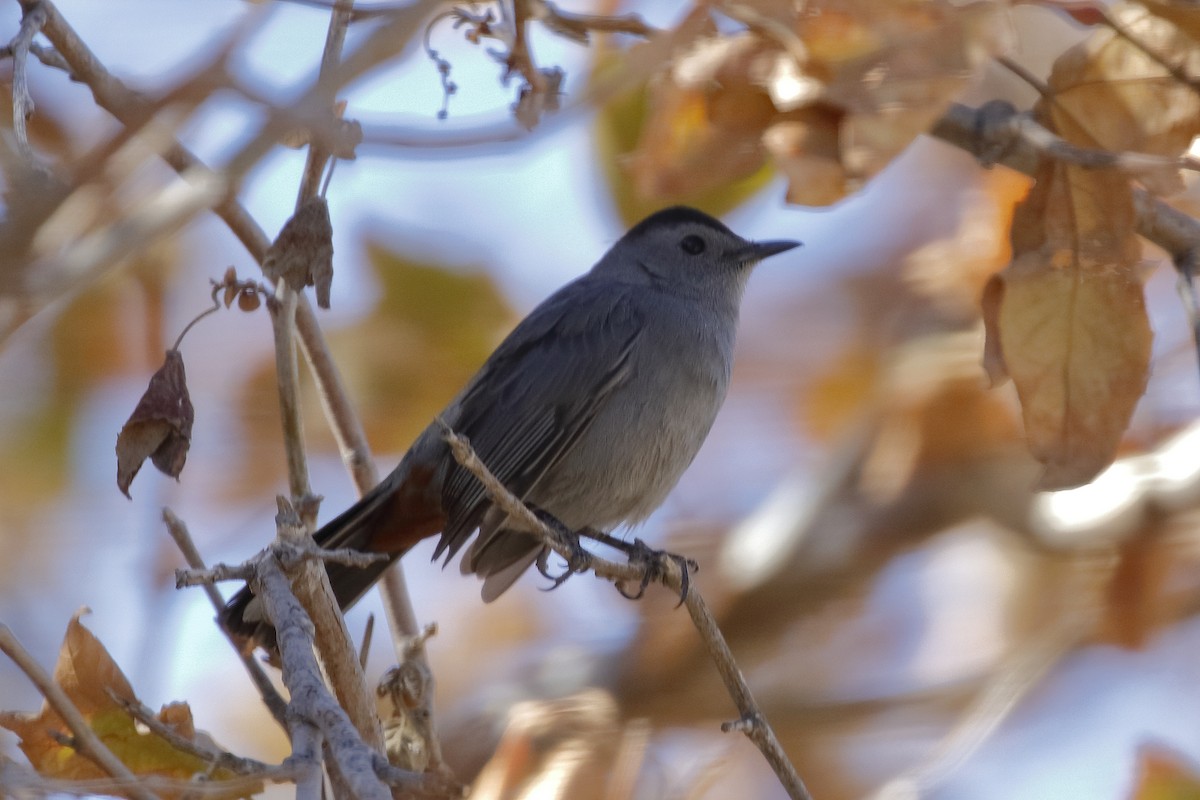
pixel 302 254
pixel 160 428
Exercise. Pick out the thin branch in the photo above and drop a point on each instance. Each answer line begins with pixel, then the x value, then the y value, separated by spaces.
pixel 311 582
pixel 214 757
pixel 970 129
pixel 666 570
pixel 1018 69
pixel 33 19
pixel 1004 129
pixel 311 585
pixel 311 700
pixel 579 26
pixel 183 540
pixel 185 578
pixel 283 311
pixel 86 742
pixel 318 153
pixel 520 59
pixel 19 781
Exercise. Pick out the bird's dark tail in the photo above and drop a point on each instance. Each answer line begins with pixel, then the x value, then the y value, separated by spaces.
pixel 389 519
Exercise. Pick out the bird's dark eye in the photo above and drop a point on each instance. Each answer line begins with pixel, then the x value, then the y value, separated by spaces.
pixel 692 245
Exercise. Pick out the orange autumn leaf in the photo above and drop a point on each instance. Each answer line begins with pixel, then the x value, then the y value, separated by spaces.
pixel 87 674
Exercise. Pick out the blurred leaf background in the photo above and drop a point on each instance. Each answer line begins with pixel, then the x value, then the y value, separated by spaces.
pixel 910 613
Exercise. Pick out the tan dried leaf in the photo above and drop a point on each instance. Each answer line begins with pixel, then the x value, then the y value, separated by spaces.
pixel 1076 341
pixel 160 427
pixel 833 92
pixel 1125 99
pixel 302 254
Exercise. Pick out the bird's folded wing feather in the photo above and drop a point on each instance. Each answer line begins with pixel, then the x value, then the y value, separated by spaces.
pixel 539 392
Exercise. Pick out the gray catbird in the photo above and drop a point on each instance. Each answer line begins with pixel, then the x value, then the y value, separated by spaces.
pixel 590 411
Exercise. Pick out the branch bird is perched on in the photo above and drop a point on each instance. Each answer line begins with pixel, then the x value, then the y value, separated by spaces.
pixel 590 410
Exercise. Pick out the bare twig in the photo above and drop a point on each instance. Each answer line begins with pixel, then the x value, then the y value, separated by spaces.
pixel 183 540
pixel 311 700
pixel 311 586
pixel 283 311
pixel 33 18
pixel 214 757
pixel 1018 69
pixel 218 572
pixel 579 26
pixel 86 741
pixel 318 153
pixel 966 128
pixel 520 59
pixel 752 722
pixel 1006 130
pixel 17 781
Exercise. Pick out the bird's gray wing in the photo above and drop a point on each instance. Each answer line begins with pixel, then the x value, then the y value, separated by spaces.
pixel 538 393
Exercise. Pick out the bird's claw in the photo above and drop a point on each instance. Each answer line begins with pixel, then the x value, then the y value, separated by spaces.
pixel 578 561
pixel 654 568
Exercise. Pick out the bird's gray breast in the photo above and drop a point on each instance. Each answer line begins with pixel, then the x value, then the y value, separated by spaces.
pixel 650 429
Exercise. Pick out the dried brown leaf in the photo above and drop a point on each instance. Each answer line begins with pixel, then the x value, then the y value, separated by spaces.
pixel 90 678
pixel 1068 315
pixel 302 254
pixel 160 428
pixel 1076 341
pixel 833 93
pixel 1113 86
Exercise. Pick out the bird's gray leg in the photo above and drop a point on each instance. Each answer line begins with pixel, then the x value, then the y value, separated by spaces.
pixel 578 561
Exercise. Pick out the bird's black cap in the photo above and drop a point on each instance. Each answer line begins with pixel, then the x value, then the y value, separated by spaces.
pixel 677 215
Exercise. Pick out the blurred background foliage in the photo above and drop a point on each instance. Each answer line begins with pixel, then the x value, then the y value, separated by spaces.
pixel 914 618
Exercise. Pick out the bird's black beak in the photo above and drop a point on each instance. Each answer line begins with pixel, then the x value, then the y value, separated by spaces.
pixel 757 251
